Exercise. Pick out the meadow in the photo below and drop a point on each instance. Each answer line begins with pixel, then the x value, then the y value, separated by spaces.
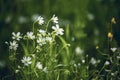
pixel 54 40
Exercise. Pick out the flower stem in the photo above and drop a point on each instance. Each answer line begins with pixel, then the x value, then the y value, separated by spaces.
pixel 34 26
pixel 100 71
pixel 58 76
pixel 47 24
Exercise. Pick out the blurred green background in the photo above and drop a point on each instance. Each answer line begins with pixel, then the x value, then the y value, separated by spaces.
pixel 86 22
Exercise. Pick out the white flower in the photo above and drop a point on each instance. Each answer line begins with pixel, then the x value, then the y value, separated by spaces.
pixel 16 36
pixel 78 51
pixel 107 63
pixel 112 74
pixel 118 57
pixel 26 61
pixel 43 32
pixel 16 71
pixel 33 55
pixel 90 16
pixel 83 61
pixel 30 35
pixel 45 70
pixel 41 41
pixel 113 49
pixel 55 19
pixel 79 64
pixel 40 20
pixel 19 67
pixel 75 65
pixel 49 39
pixel 93 61
pixel 39 65
pixel 6 42
pixel 58 30
pixel 13 45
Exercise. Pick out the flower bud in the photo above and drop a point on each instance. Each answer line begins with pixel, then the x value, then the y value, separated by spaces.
pixel 110 35
pixel 97 47
pixel 113 20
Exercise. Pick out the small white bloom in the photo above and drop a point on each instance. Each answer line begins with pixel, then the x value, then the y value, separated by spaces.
pixel 112 74
pixel 90 16
pixel 49 39
pixel 93 61
pixel 19 67
pixel 43 32
pixel 79 64
pixel 33 55
pixel 107 70
pixel 107 63
pixel 83 61
pixel 39 65
pixel 16 36
pixel 78 51
pixel 13 45
pixel 6 42
pixel 75 65
pixel 40 20
pixel 118 57
pixel 26 61
pixel 73 39
pixel 30 35
pixel 113 49
pixel 41 41
pixel 16 71
pixel 55 19
pixel 58 30
pixel 45 70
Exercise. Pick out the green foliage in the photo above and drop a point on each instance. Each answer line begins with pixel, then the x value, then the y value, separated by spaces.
pixel 85 25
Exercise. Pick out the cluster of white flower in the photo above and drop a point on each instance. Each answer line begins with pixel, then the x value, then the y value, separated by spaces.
pixel 28 60
pixel 41 41
pixel 41 37
pixel 13 45
pixel 42 32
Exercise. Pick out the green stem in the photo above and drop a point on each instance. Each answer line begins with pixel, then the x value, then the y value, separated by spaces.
pixel 58 76
pixel 100 72
pixel 111 27
pixel 48 24
pixel 24 74
pixel 35 73
pixel 27 44
pixel 34 26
